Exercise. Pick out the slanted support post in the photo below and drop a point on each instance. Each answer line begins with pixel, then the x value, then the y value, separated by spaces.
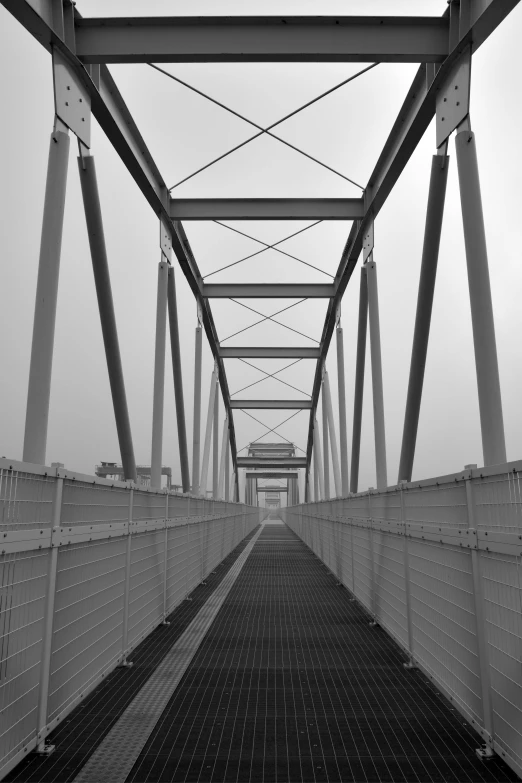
pixel 196 442
pixel 227 466
pixel 100 265
pixel 318 461
pixel 359 380
pixel 341 385
pixel 215 448
pixel 326 452
pixel 159 376
pixel 327 398
pixel 486 361
pixel 47 635
pixel 126 590
pixel 407 587
pixel 208 433
pixel 428 273
pixel 178 381
pixel 480 623
pixel 40 369
pixel 378 394
pixel 222 461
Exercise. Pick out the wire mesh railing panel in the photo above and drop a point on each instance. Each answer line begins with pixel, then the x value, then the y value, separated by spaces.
pixel 88 616
pixel 502 580
pixel 149 505
pixel 26 500
pixel 443 504
pixel 390 589
pixel 176 565
pixel 146 583
pixel 93 504
pixel 386 507
pixel 23 580
pixel 498 503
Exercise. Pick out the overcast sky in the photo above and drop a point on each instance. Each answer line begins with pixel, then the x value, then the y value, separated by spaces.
pixel 346 130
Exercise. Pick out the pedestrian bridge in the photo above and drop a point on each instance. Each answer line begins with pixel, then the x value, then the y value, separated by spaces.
pixel 265 619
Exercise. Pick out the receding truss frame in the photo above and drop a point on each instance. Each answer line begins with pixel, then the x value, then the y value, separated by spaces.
pixel 87 45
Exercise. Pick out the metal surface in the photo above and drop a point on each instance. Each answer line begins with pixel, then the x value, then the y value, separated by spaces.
pixel 196 439
pixel 271 462
pixel 271 475
pixel 267 209
pixel 327 398
pixel 215 447
pixel 72 102
pixel 486 361
pixel 377 387
pixel 453 98
pixel 326 450
pixel 271 404
pixel 40 369
pixel 341 389
pixel 208 433
pixel 100 265
pixel 359 380
pixel 262 39
pixel 177 372
pixel 428 273
pixel 319 462
pixel 276 352
pixel 222 461
pixel 159 376
pixel 267 290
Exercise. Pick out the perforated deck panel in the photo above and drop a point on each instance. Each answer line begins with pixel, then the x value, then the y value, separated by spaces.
pixel 290 684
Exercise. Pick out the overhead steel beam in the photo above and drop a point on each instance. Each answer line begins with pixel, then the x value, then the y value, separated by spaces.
pixel 413 119
pixel 271 475
pixel 271 404
pixel 269 352
pixel 272 489
pixel 266 208
pixel 263 39
pixel 271 462
pixel 267 290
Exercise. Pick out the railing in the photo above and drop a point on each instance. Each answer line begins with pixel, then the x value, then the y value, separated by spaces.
pixel 88 568
pixel 438 564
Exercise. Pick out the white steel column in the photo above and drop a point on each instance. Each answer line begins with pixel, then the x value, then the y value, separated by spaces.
pixel 215 448
pixel 486 361
pixel 47 635
pixel 326 451
pixel 378 395
pixel 327 398
pixel 208 433
pixel 343 438
pixel 221 482
pixel 318 460
pixel 196 443
pixel 359 380
pixel 227 468
pixel 40 369
pixel 159 376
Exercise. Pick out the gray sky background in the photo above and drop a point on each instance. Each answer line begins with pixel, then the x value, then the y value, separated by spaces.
pixel 183 132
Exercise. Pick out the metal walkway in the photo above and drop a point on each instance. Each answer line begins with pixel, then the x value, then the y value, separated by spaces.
pixel 291 683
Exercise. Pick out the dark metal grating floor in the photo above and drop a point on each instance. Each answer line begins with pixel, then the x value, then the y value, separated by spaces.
pixel 290 684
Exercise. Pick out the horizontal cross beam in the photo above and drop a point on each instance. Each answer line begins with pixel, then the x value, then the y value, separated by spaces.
pixel 271 462
pixel 262 39
pixel 269 352
pixel 267 290
pixel 271 404
pixel 272 489
pixel 266 208
pixel 271 475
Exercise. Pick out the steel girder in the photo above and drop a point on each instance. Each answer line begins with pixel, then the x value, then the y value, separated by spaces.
pixel 54 26
pixel 271 405
pixel 267 208
pixel 269 352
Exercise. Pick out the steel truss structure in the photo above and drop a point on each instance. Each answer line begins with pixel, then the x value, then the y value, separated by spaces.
pixel 443 47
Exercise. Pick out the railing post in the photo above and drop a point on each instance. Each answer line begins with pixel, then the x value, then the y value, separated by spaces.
pixel 165 560
pixel 482 646
pixel 40 370
pixel 406 555
pixel 47 635
pixel 126 594
pixel 373 598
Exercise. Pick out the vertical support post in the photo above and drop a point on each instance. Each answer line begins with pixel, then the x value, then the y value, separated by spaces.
pixel 327 398
pixel 178 381
pixel 326 452
pixel 378 394
pixel 196 443
pixel 482 645
pixel 428 274
pixel 166 560
pixel 316 471
pixel 224 441
pixel 227 467
pixel 126 595
pixel 208 433
pixel 359 380
pixel 47 634
pixel 486 361
pixel 159 376
pixel 343 439
pixel 40 370
pixel 407 588
pixel 215 449
pixel 93 216
pixel 318 461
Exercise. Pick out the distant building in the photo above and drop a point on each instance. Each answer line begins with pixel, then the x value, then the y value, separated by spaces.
pixel 111 470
